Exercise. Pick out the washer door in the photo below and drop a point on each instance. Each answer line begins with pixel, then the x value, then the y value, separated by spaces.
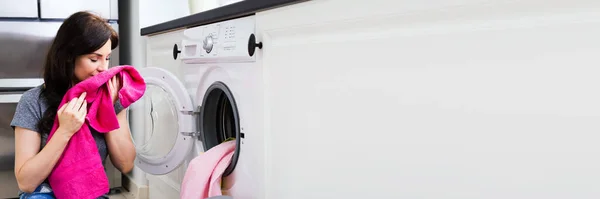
pixel 167 110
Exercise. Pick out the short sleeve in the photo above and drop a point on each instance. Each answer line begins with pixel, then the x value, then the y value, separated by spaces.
pixel 28 112
pixel 118 106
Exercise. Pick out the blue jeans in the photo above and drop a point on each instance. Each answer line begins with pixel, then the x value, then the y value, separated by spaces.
pixel 41 192
pixel 44 192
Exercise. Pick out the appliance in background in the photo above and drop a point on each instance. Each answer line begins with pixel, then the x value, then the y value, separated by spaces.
pixel 56 9
pixel 26 32
pixel 21 61
pixel 203 87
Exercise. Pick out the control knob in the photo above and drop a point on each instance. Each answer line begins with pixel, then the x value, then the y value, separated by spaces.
pixel 208 43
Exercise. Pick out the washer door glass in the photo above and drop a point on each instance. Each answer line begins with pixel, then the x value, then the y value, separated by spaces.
pixel 162 122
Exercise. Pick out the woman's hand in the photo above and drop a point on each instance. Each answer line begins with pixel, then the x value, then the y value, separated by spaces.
pixel 114 85
pixel 72 115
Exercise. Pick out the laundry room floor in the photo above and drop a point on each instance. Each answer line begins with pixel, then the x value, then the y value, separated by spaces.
pixel 121 194
pixel 117 196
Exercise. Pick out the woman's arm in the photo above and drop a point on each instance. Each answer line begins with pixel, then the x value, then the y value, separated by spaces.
pixel 120 146
pixel 31 167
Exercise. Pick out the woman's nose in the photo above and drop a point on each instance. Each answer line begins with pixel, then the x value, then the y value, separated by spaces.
pixel 103 67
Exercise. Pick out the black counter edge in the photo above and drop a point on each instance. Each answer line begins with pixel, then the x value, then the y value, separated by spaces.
pixel 231 11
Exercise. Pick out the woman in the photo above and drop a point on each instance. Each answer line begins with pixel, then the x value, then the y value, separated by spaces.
pixel 81 49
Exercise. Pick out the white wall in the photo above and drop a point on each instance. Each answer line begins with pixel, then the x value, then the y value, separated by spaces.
pixel 158 11
pixel 153 12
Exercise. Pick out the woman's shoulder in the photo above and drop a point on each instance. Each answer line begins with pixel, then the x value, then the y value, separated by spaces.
pixel 34 91
pixel 29 109
pixel 32 95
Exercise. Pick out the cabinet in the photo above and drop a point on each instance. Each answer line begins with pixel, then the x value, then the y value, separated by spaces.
pixel 18 9
pixel 159 51
pixel 60 9
pixel 57 9
pixel 436 99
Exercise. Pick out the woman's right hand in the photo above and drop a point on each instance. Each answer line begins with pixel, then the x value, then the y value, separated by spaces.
pixel 72 115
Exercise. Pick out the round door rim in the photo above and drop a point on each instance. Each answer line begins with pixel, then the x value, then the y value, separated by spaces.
pixel 219 85
pixel 183 144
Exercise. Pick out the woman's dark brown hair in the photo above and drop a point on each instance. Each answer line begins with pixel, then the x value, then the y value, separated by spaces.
pixel 80 34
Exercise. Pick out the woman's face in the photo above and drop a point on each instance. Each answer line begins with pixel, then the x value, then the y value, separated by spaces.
pixel 93 63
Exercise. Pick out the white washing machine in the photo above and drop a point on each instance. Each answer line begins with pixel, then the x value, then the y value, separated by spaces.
pixel 217 96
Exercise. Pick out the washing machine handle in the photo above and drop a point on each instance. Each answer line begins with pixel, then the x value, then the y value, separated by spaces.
pixel 252 45
pixel 175 51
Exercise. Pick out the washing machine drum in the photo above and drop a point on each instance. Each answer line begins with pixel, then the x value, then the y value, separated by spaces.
pixel 219 120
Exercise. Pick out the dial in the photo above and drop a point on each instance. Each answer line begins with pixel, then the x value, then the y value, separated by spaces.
pixel 208 43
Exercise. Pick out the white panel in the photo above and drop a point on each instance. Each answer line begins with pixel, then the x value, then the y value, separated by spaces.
pixel 159 50
pixel 18 8
pixel 432 99
pixel 228 39
pixel 61 9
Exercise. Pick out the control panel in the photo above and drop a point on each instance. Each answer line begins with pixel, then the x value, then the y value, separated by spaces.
pixel 227 41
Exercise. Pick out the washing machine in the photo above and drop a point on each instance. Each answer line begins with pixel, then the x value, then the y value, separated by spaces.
pixel 214 96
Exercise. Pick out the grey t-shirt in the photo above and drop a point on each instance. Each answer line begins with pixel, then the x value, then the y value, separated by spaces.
pixel 31 108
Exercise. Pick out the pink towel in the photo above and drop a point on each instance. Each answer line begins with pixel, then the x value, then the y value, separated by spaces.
pixel 203 176
pixel 79 172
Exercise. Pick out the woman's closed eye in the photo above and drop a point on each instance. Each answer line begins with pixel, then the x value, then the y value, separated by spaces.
pixel 95 60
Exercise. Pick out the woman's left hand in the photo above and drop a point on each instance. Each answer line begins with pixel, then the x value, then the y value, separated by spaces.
pixel 114 85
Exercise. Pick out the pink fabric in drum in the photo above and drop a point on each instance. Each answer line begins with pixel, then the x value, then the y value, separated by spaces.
pixel 203 176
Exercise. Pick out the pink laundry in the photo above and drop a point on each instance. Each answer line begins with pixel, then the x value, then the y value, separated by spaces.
pixel 79 172
pixel 202 178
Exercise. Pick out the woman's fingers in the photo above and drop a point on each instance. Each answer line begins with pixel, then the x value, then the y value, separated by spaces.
pixel 83 110
pixel 110 85
pixel 80 101
pixel 114 84
pixel 117 82
pixel 72 103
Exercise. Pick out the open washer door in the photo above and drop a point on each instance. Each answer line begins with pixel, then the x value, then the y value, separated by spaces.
pixel 164 142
